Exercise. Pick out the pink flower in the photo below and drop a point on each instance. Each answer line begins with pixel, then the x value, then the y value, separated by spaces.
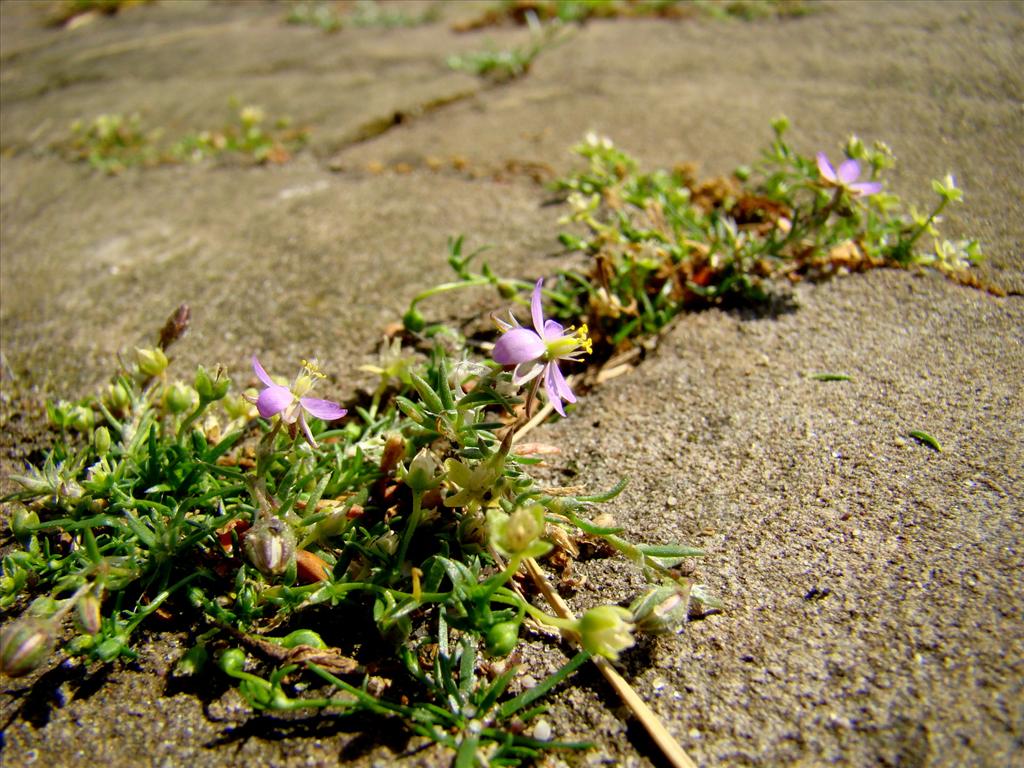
pixel 537 352
pixel 292 403
pixel 846 177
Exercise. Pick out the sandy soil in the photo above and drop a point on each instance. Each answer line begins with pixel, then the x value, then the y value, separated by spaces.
pixel 873 585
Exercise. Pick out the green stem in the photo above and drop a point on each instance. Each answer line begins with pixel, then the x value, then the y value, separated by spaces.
pixel 410 528
pixel 510 598
pixel 186 425
pixel 443 287
pixel 922 228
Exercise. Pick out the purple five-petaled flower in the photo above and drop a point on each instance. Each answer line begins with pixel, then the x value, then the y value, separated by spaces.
pixel 846 176
pixel 537 352
pixel 292 403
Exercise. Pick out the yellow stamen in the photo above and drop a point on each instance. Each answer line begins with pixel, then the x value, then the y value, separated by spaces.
pixel 313 369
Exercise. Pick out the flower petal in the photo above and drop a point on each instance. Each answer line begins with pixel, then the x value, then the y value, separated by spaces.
pixel 273 400
pixel 518 346
pixel 322 409
pixel 527 371
pixel 866 187
pixel 825 168
pixel 848 172
pixel 305 430
pixel 535 307
pixel 551 387
pixel 561 385
pixel 261 374
pixel 553 330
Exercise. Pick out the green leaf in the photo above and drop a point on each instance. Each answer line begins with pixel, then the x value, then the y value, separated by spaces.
pixel 524 699
pixel 924 437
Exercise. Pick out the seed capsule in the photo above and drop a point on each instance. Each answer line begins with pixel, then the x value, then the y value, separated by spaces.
pixel 270 546
pixel 24 645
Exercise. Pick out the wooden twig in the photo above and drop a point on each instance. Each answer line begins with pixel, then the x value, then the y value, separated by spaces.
pixel 668 745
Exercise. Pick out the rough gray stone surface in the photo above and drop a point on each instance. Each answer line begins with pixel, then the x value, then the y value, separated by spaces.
pixel 873 585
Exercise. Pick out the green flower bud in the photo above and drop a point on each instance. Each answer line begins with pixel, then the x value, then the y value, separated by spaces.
pixel 179 397
pixel 606 630
pixel 116 397
pixel 232 661
pixel 518 533
pixel 948 189
pixel 238 407
pixel 209 389
pixel 80 644
pixel 661 610
pixel 25 645
pixel 855 149
pixel 506 289
pixel 23 521
pixel 423 472
pixel 413 320
pixel 80 418
pixel 192 662
pixel 302 637
pixel 110 648
pixel 502 638
pixel 101 441
pixel 151 362
pixel 270 546
pixel 780 125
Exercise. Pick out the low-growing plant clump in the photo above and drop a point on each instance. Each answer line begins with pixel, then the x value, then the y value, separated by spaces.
pixel 655 244
pixel 114 142
pixel 390 557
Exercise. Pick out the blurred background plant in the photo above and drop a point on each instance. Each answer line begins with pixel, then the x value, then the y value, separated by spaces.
pixel 114 142
pixel 335 16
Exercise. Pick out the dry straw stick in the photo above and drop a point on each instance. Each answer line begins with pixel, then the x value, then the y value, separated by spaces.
pixel 668 745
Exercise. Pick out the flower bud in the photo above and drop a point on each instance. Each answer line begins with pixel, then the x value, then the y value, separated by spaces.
pixel 423 471
pixel 506 289
pixel 151 362
pixel 211 389
pixel 116 397
pixel 232 661
pixel 413 320
pixel 270 546
pixel 251 115
pixel 192 662
pixel 110 648
pixel 179 397
pixel 238 407
pixel 502 638
pixel 303 637
pixel 518 533
pixel 661 610
pixel 25 645
pixel 87 612
pixel 855 149
pixel 606 630
pixel 80 418
pixel 23 521
pixel 101 441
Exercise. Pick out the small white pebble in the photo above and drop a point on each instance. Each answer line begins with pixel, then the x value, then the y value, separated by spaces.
pixel 542 730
